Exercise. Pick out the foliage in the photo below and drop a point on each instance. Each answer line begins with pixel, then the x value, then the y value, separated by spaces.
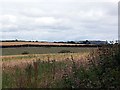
pixel 100 70
pixel 25 52
pixel 64 51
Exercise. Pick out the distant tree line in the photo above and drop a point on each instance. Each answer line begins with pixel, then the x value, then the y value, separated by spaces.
pixel 28 45
pixel 17 41
pixel 68 42
pixel 84 42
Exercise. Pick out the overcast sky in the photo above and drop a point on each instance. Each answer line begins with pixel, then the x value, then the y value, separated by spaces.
pixel 59 20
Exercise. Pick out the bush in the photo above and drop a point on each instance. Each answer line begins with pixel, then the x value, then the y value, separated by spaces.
pixel 103 70
pixel 25 52
pixel 105 66
pixel 65 51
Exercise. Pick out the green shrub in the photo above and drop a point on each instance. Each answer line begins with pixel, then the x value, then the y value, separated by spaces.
pixel 25 52
pixel 103 71
pixel 65 51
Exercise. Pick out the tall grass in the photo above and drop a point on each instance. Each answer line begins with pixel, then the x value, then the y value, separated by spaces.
pixel 101 69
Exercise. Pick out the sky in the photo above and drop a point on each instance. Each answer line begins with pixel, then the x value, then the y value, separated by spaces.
pixel 59 20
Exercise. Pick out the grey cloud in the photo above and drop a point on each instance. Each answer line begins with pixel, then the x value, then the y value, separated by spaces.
pixel 61 21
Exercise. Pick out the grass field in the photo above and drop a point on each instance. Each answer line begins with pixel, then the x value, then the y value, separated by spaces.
pixel 16 68
pixel 79 68
pixel 23 43
pixel 57 56
pixel 14 61
pixel 34 43
pixel 43 50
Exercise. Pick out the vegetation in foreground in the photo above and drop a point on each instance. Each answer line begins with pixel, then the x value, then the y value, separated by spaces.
pixel 100 70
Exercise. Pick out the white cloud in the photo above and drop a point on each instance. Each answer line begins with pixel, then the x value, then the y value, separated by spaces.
pixel 61 1
pixel 51 20
pixel 47 20
pixel 7 19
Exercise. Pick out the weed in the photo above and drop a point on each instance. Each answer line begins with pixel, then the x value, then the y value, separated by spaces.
pixel 100 70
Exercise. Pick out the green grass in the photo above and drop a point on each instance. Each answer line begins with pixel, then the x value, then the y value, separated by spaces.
pixel 45 72
pixel 43 50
